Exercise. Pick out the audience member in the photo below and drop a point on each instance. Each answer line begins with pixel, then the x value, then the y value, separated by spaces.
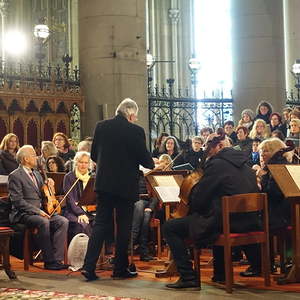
pixel 247 117
pixel 260 130
pixel 264 111
pixel 159 142
pixel 276 123
pixel 8 150
pixel 62 144
pixel 229 130
pixel 47 149
pixel 54 164
pixel 244 143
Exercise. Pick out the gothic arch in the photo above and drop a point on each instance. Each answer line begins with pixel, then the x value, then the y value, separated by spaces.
pixel 18 130
pixel 14 106
pixel 61 127
pixel 3 129
pixel 48 131
pixel 61 108
pixel 31 107
pixel 46 108
pixel 32 133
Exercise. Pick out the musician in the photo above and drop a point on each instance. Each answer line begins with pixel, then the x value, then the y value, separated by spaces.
pixel 225 173
pixel 171 146
pixel 79 219
pixel 63 146
pixel 24 187
pixel 55 164
pixel 47 149
pixel 118 148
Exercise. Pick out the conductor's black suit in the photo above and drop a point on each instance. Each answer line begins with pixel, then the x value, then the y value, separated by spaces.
pixel 118 148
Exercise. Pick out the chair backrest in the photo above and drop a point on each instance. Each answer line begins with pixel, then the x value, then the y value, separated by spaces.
pixel 243 203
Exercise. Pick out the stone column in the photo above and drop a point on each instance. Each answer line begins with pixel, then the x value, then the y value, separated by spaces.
pixel 258 54
pixel 292 38
pixel 112 58
pixel 3 15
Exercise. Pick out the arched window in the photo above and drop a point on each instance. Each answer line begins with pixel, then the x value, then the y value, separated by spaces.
pixel 32 134
pixel 48 131
pixel 18 130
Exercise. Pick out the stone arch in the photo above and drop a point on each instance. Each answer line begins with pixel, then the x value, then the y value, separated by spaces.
pixel 3 129
pixel 32 133
pixel 46 108
pixel 48 130
pixel 61 108
pixel 14 106
pixel 31 107
pixel 18 130
pixel 61 127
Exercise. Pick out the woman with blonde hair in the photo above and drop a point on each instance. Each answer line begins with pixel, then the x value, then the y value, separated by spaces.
pixel 260 130
pixel 47 149
pixel 8 149
pixel 79 219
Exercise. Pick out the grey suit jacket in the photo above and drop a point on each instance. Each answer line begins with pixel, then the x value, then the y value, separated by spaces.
pixel 24 195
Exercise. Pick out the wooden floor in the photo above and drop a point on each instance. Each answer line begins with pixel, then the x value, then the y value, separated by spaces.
pixel 147 272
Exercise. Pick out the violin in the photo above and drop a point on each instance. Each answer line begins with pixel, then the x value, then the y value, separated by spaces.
pixel 50 203
pixel 185 189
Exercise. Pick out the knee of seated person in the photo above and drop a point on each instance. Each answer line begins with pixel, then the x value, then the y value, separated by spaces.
pixel 139 205
pixel 63 222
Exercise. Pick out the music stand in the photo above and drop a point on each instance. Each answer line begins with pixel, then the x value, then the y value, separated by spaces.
pixel 291 191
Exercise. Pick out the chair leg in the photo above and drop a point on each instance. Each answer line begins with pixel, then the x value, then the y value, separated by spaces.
pixel 6 263
pixel 196 254
pixel 228 268
pixel 66 253
pixel 158 242
pixel 282 252
pixel 26 250
pixel 265 257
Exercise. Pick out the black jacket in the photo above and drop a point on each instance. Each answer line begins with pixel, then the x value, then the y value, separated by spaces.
pixel 8 163
pixel 279 207
pixel 191 157
pixel 118 148
pixel 227 173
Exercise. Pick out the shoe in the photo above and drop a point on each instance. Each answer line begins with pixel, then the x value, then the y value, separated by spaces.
pixel 181 284
pixel 250 272
pixel 124 275
pixel 89 276
pixel 63 266
pixel 54 266
pixel 218 279
pixel 146 258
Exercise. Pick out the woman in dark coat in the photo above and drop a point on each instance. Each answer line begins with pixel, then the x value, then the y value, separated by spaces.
pixel 79 221
pixel 63 146
pixel 272 151
pixel 8 149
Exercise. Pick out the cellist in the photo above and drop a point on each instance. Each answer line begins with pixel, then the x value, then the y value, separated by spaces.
pixel 225 172
pixel 24 187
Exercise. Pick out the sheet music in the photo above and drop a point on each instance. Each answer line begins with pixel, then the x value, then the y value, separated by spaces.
pixel 295 173
pixel 3 179
pixel 166 180
pixel 168 193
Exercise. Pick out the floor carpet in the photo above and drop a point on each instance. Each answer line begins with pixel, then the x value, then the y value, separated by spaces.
pixel 19 294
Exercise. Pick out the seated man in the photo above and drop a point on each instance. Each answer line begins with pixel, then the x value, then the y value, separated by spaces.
pixel 24 186
pixel 225 173
pixel 143 210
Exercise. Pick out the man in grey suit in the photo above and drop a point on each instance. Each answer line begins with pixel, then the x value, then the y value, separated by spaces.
pixel 24 186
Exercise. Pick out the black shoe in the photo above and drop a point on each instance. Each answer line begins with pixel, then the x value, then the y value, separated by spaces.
pixel 63 266
pixel 89 276
pixel 124 275
pixel 218 279
pixel 250 272
pixel 54 266
pixel 146 258
pixel 184 284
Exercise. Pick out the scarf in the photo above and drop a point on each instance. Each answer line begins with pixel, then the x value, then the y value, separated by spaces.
pixel 84 178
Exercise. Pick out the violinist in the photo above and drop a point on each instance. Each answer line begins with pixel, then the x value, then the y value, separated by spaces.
pixel 79 218
pixel 24 187
pixel 225 172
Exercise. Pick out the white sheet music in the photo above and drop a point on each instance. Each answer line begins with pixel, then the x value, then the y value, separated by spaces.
pixel 168 193
pixel 294 171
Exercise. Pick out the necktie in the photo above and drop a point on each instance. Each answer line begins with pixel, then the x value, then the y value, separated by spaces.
pixel 33 179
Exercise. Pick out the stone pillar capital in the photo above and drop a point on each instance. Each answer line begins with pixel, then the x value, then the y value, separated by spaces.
pixel 174 15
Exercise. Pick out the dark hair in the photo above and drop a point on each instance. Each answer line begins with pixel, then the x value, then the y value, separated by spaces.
pixel 157 143
pixel 176 145
pixel 245 129
pixel 230 123
pixel 266 104
pixel 278 133
pixel 257 140
pixel 276 114
pixel 206 129
pixel 67 143
pixel 59 162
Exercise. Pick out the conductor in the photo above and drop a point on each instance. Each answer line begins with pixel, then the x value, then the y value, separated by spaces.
pixel 119 147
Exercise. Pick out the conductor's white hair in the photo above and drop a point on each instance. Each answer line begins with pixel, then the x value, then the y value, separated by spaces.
pixel 127 107
pixel 23 152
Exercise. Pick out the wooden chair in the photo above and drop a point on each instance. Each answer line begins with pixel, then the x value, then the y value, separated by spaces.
pixel 5 234
pixel 155 223
pixel 28 250
pixel 237 204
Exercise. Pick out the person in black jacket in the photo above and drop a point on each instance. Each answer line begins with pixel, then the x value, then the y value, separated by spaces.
pixel 225 173
pixel 119 147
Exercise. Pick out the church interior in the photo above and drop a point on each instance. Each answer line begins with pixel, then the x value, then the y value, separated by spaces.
pixel 192 66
